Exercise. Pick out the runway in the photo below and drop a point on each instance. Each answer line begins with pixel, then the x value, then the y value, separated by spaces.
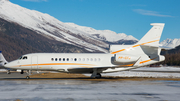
pixel 15 75
pixel 82 90
pixel 15 87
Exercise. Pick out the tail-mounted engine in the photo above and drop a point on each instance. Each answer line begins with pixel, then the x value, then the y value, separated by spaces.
pixel 124 59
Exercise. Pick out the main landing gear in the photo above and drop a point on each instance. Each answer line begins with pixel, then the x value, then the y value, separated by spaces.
pixel 95 74
pixel 22 71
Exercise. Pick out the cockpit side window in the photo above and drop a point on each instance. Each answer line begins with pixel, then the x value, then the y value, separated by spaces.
pixel 20 58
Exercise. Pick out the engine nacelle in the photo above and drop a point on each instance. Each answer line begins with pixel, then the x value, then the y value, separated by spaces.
pixel 125 59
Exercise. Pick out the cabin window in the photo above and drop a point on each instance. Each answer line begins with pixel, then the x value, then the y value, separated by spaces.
pixel 91 59
pixel 59 59
pixel 99 59
pixel 87 59
pixel 79 59
pixel 64 59
pixel 56 59
pixel 94 59
pixel 67 59
pixel 83 59
pixel 71 59
pixel 52 59
pixel 75 59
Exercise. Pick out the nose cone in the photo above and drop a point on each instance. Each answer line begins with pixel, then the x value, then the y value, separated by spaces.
pixel 9 65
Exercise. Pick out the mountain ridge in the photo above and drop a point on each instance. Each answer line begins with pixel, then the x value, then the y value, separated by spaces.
pixel 49 26
pixel 105 35
pixel 52 28
pixel 171 42
pixel 16 40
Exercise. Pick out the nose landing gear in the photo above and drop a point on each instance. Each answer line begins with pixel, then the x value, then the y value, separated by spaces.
pixel 8 72
pixel 28 73
pixel 27 77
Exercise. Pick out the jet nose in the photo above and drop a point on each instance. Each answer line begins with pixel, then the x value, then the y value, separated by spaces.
pixel 8 65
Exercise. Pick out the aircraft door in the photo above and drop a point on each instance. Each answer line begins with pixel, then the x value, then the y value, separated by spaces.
pixel 34 62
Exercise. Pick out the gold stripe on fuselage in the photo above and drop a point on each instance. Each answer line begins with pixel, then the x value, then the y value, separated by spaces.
pixel 133 47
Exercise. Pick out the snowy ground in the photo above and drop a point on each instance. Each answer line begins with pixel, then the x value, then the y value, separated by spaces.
pixel 169 72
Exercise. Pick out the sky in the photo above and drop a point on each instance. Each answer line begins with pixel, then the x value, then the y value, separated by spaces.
pixel 132 17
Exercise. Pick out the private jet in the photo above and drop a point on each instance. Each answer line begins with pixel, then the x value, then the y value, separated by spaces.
pixel 120 58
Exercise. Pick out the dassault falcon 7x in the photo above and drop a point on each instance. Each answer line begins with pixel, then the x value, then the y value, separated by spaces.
pixel 120 58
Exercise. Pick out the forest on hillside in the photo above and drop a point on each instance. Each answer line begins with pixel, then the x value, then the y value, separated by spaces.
pixel 172 57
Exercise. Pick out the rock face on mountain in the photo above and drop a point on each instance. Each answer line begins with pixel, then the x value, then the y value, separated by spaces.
pixel 16 40
pixel 49 27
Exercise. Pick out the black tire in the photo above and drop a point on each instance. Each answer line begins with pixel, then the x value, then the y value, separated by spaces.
pixel 22 71
pixel 98 75
pixel 27 77
pixel 8 72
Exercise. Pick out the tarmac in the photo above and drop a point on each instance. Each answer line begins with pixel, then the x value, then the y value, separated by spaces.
pixel 13 75
pixel 47 86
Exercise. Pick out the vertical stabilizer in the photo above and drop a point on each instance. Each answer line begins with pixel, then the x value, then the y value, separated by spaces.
pixel 153 36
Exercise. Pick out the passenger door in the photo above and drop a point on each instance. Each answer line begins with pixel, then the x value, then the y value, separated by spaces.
pixel 34 62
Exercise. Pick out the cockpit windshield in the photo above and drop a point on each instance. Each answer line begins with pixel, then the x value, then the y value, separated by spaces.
pixel 23 57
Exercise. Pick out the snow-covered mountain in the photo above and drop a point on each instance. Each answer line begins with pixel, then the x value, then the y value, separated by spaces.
pixel 171 42
pixel 106 35
pixel 50 27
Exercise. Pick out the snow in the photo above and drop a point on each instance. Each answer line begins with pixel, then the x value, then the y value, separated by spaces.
pixel 153 72
pixel 47 25
pixel 106 35
pixel 171 42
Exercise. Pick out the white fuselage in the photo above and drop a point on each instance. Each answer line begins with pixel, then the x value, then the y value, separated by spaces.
pixel 61 62
pixel 77 62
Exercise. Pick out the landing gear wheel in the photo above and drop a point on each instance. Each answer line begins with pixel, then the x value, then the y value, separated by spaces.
pixel 27 77
pixel 98 75
pixel 22 71
pixel 8 72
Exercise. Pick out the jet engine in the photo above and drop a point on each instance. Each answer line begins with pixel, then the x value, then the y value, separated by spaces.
pixel 124 59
